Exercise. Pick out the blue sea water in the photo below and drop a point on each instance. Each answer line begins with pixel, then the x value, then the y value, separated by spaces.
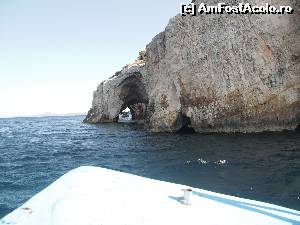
pixel 34 152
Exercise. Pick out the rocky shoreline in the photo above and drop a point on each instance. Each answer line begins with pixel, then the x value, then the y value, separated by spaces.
pixel 212 73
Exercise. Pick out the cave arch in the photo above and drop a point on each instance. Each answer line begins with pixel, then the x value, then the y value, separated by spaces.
pixel 134 96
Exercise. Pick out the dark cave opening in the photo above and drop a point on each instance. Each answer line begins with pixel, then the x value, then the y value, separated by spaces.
pixel 126 113
pixel 134 112
pixel 185 125
pixel 298 128
pixel 134 98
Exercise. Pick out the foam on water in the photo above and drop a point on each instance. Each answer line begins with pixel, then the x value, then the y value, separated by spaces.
pixel 36 151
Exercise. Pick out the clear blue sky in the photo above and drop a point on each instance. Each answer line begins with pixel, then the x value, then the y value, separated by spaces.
pixel 53 53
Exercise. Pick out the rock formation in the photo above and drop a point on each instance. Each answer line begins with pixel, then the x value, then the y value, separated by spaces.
pixel 213 73
pixel 124 89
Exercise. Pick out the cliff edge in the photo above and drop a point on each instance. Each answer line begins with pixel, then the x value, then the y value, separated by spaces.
pixel 213 73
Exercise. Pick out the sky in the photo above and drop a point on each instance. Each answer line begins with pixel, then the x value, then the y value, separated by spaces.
pixel 54 53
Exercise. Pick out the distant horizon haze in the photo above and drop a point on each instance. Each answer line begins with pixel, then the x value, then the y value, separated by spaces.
pixel 46 114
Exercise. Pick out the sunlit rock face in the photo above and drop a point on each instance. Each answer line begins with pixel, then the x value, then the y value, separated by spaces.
pixel 124 89
pixel 214 73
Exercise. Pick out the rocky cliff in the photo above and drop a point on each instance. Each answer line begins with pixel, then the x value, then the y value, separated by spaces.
pixel 213 73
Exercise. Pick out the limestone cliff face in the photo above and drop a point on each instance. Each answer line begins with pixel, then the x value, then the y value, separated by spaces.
pixel 214 73
pixel 124 89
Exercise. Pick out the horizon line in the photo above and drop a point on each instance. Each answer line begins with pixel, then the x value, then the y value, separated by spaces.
pixel 41 115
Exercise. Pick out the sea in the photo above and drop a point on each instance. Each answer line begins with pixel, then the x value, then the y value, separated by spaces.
pixel 34 152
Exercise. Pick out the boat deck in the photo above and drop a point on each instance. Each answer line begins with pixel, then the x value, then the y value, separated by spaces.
pixel 98 196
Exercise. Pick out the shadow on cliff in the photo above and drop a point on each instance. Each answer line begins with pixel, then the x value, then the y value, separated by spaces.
pixel 185 125
pixel 298 128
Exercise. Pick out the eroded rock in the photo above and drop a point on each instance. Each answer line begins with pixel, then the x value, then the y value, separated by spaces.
pixel 125 89
pixel 226 73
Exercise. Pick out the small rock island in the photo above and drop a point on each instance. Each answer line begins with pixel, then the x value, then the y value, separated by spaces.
pixel 212 73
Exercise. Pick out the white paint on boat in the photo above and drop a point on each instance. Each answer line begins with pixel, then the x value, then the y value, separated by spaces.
pixel 98 196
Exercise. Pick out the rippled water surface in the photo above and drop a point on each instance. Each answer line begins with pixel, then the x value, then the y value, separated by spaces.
pixel 36 151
